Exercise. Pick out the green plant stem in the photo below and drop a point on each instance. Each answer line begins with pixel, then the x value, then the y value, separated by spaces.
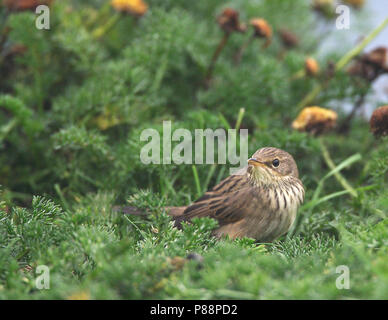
pixel 104 29
pixel 340 178
pixel 101 15
pixel 239 118
pixel 342 63
pixel 298 75
pixel 310 96
pixel 7 128
pixel 196 179
pixel 355 51
pixel 62 197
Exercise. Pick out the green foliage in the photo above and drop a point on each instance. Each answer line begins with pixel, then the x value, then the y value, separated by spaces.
pixel 73 104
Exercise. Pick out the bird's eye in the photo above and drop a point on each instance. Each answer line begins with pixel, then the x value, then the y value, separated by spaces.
pixel 276 163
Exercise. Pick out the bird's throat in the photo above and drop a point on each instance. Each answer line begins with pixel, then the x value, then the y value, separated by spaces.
pixel 283 191
pixel 262 176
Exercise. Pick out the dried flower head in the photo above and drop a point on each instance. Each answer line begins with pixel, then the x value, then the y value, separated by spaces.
pixel 378 56
pixel 311 67
pixel 355 3
pixel 370 65
pixel 379 121
pixel 229 21
pixel 22 5
pixel 262 30
pixel 315 120
pixel 135 7
pixel 289 39
pixel 324 7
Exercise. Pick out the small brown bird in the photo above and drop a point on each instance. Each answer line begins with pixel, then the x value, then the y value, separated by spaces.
pixel 260 201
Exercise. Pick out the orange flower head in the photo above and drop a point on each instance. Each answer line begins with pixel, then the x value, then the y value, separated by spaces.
pixel 134 7
pixel 311 67
pixel 262 30
pixel 315 120
pixel 379 122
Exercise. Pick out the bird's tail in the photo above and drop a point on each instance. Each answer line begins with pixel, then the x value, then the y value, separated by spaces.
pixel 172 211
pixel 175 211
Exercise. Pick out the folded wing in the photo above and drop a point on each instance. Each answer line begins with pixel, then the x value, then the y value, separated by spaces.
pixel 228 202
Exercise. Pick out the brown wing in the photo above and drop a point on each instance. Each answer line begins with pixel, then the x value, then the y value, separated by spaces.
pixel 226 202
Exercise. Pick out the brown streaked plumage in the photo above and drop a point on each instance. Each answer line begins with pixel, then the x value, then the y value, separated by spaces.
pixel 259 202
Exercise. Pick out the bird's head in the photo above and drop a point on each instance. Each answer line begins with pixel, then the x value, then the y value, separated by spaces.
pixel 270 165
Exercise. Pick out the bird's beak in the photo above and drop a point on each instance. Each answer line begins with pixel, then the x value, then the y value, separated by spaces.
pixel 254 162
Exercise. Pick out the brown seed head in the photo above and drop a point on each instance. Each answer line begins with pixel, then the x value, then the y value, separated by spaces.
pixel 22 5
pixel 378 56
pixel 228 21
pixel 289 39
pixel 379 121
pixel 262 30
pixel 311 67
pixel 315 120
pixel 134 7
pixel 370 65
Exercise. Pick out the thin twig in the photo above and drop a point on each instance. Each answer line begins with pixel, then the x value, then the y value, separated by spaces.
pixel 345 125
pixel 216 54
pixel 240 52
